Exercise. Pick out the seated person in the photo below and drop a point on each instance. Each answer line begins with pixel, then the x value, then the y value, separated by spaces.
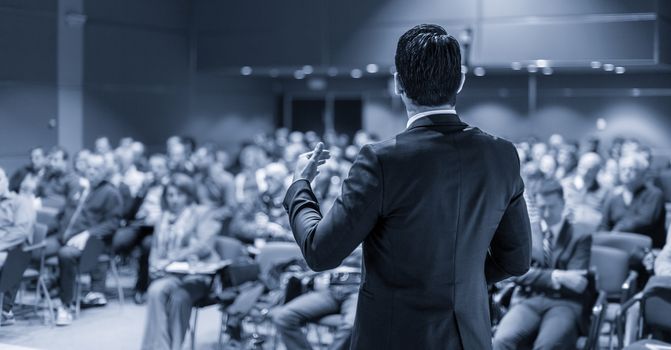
pixel 184 232
pixel 17 218
pixel 97 214
pixel 661 266
pixel 636 206
pixel 143 214
pixel 35 169
pixel 263 216
pixel 584 196
pixel 292 316
pixel 548 299
pixel 58 184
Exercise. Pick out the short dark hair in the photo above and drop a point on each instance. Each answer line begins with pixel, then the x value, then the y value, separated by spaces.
pixel 184 184
pixel 428 62
pixel 60 149
pixel 549 187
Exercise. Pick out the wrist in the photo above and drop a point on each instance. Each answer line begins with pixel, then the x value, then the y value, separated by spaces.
pixel 554 276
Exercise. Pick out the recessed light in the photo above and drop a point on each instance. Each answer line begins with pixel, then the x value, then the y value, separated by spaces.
pixel 356 73
pixel 608 67
pixel 246 70
pixel 372 68
pixel 619 70
pixel 479 71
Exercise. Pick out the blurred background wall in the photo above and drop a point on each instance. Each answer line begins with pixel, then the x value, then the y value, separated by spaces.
pixel 73 70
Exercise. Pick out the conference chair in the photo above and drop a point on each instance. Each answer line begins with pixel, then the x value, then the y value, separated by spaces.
pixel 632 243
pixel 228 249
pixel 655 308
pixel 615 279
pixel 37 270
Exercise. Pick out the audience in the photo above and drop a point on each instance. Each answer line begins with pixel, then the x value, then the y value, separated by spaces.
pixel 636 206
pixel 585 197
pixel 547 306
pixel 338 298
pixel 17 218
pixel 58 185
pixel 169 208
pixel 97 215
pixel 184 232
pixel 35 169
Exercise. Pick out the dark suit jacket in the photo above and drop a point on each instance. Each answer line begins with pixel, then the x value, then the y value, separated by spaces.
pixel 572 251
pixel 645 215
pixel 440 212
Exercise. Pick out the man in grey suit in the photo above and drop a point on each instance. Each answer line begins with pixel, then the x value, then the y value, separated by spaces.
pixel 439 209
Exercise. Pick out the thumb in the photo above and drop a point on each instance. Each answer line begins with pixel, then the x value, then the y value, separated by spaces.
pixel 317 151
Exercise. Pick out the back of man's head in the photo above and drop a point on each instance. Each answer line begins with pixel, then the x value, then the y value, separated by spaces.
pixel 428 62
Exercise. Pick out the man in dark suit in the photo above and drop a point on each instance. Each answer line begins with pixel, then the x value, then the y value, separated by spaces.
pixel 439 209
pixel 547 305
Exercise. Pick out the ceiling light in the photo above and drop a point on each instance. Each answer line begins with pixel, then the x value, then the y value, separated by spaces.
pixel 595 64
pixel 356 73
pixel 608 67
pixel 516 65
pixel 372 68
pixel 246 70
pixel 479 71
pixel 619 70
pixel 307 69
pixel 548 70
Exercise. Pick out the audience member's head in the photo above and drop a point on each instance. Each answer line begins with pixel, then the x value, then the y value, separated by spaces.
pixel 102 145
pixel 632 167
pixel 538 150
pixel 97 169
pixel 547 165
pixel 588 167
pixel 158 167
pixel 38 159
pixel 252 157
pixel 28 186
pixel 81 161
pixel 275 176
pixel 179 193
pixel 203 157
pixel 124 158
pixel 176 154
pixel 428 64
pixel 567 157
pixel 58 160
pixel 550 201
pixel 189 144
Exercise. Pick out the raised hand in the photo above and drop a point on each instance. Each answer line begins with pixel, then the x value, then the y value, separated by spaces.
pixel 307 166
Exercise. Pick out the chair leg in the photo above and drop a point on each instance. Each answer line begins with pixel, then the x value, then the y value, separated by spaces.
pixel 2 300
pixel 222 329
pixel 193 329
pixel 50 305
pixel 115 274
pixel 78 297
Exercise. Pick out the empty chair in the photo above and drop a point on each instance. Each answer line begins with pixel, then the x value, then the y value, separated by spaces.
pixel 37 271
pixel 655 308
pixel 632 243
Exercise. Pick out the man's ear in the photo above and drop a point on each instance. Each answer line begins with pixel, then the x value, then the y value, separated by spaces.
pixel 398 87
pixel 463 79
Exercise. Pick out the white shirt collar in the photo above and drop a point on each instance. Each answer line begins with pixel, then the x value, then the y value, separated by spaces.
pixel 415 117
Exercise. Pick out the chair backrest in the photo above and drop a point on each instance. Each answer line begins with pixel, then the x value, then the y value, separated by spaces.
pixel 657 303
pixel 611 266
pixel 229 248
pixel 274 253
pixel 89 259
pixel 13 268
pixel 626 241
pixel 40 233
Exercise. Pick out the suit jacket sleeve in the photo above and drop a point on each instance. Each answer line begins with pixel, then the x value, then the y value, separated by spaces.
pixel 326 241
pixel 541 278
pixel 510 249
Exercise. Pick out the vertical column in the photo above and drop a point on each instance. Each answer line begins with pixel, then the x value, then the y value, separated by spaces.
pixel 71 20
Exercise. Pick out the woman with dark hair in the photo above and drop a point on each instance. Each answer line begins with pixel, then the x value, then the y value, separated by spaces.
pixel 184 232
